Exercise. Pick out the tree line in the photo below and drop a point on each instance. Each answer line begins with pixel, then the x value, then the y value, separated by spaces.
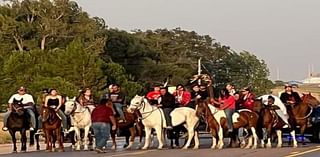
pixel 54 43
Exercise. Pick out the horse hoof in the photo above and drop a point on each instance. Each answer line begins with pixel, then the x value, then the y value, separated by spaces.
pixel 113 147
pixel 144 148
pixel 14 151
pixel 213 147
pixel 254 147
pixel 23 151
pixel 185 148
pixel 196 147
pixel 279 146
pixel 61 150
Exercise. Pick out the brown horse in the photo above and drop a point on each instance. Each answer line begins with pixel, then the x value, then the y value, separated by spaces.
pixel 270 120
pixel 300 113
pixel 132 124
pixel 244 119
pixel 51 124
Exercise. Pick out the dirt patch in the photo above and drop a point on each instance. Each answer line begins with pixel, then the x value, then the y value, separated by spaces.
pixel 4 135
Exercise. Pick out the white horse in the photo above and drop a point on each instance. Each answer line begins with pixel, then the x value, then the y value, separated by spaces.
pixel 81 118
pixel 153 117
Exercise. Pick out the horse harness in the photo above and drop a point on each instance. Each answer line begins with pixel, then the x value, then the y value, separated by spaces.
pixel 142 106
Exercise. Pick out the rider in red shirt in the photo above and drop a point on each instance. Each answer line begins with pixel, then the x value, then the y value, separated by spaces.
pixel 183 97
pixel 248 99
pixel 154 95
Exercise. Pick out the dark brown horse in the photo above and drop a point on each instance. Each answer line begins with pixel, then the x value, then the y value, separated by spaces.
pixel 132 124
pixel 242 119
pixel 18 121
pixel 51 124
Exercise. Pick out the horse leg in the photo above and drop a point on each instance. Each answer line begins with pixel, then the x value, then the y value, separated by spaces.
pixel 220 136
pixel 32 138
pixel 303 128
pixel 214 139
pixel 147 137
pixel 23 140
pixel 279 134
pixel 196 140
pixel 160 137
pixel 78 138
pixel 132 137
pixel 255 138
pixel 85 137
pixel 37 141
pixel 59 137
pixel 113 136
pixel 293 135
pixel 269 137
pixel 48 141
pixel 190 137
pixel 14 141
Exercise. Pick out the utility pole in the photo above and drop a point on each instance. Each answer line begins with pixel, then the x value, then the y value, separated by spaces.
pixel 199 70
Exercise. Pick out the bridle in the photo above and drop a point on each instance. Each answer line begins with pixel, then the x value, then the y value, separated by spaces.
pixel 73 111
pixel 142 106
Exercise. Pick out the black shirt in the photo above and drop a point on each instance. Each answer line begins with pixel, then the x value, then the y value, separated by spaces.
pixel 167 101
pixel 294 96
pixel 117 97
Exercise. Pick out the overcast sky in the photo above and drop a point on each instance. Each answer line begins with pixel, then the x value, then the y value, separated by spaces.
pixel 284 33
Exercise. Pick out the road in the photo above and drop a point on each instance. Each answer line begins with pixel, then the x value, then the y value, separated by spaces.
pixel 309 150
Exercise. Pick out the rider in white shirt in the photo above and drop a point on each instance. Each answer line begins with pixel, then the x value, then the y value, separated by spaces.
pixel 28 102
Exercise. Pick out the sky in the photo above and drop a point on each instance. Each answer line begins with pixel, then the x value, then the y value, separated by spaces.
pixel 284 33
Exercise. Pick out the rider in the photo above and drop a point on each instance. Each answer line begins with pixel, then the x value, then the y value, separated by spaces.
pixel 154 95
pixel 248 99
pixel 167 103
pixel 289 97
pixel 231 89
pixel 85 99
pixel 182 96
pixel 53 99
pixel 118 100
pixel 197 94
pixel 27 101
pixel 282 112
pixel 227 103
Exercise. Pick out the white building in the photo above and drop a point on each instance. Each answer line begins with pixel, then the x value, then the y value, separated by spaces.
pixel 312 79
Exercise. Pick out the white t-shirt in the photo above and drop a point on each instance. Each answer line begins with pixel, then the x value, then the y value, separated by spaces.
pixel 27 98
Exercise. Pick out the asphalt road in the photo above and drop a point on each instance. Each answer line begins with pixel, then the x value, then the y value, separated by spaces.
pixel 309 150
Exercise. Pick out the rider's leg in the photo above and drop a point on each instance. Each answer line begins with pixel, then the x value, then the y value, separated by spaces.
pixel 229 113
pixel 118 107
pixel 64 120
pixel 5 120
pixel 33 118
pixel 166 112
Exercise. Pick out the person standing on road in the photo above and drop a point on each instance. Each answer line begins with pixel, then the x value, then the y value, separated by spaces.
pixel 101 118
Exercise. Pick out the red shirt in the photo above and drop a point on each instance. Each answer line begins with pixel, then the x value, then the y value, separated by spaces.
pixel 154 95
pixel 101 114
pixel 249 101
pixel 182 97
pixel 228 103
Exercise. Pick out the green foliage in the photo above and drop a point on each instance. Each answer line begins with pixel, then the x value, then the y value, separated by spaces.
pixel 54 44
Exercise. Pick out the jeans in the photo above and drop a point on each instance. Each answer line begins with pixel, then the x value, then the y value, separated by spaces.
pixel 101 132
pixel 166 112
pixel 29 111
pixel 5 118
pixel 32 117
pixel 229 113
pixel 118 107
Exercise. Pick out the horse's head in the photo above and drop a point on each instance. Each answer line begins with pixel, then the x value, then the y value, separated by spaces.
pixel 45 113
pixel 201 108
pixel 18 106
pixel 136 103
pixel 70 105
pixel 310 100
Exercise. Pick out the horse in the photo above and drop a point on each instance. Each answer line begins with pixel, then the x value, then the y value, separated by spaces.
pixel 81 118
pixel 51 124
pixel 271 121
pixel 217 123
pixel 18 121
pixel 132 124
pixel 300 113
pixel 153 117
